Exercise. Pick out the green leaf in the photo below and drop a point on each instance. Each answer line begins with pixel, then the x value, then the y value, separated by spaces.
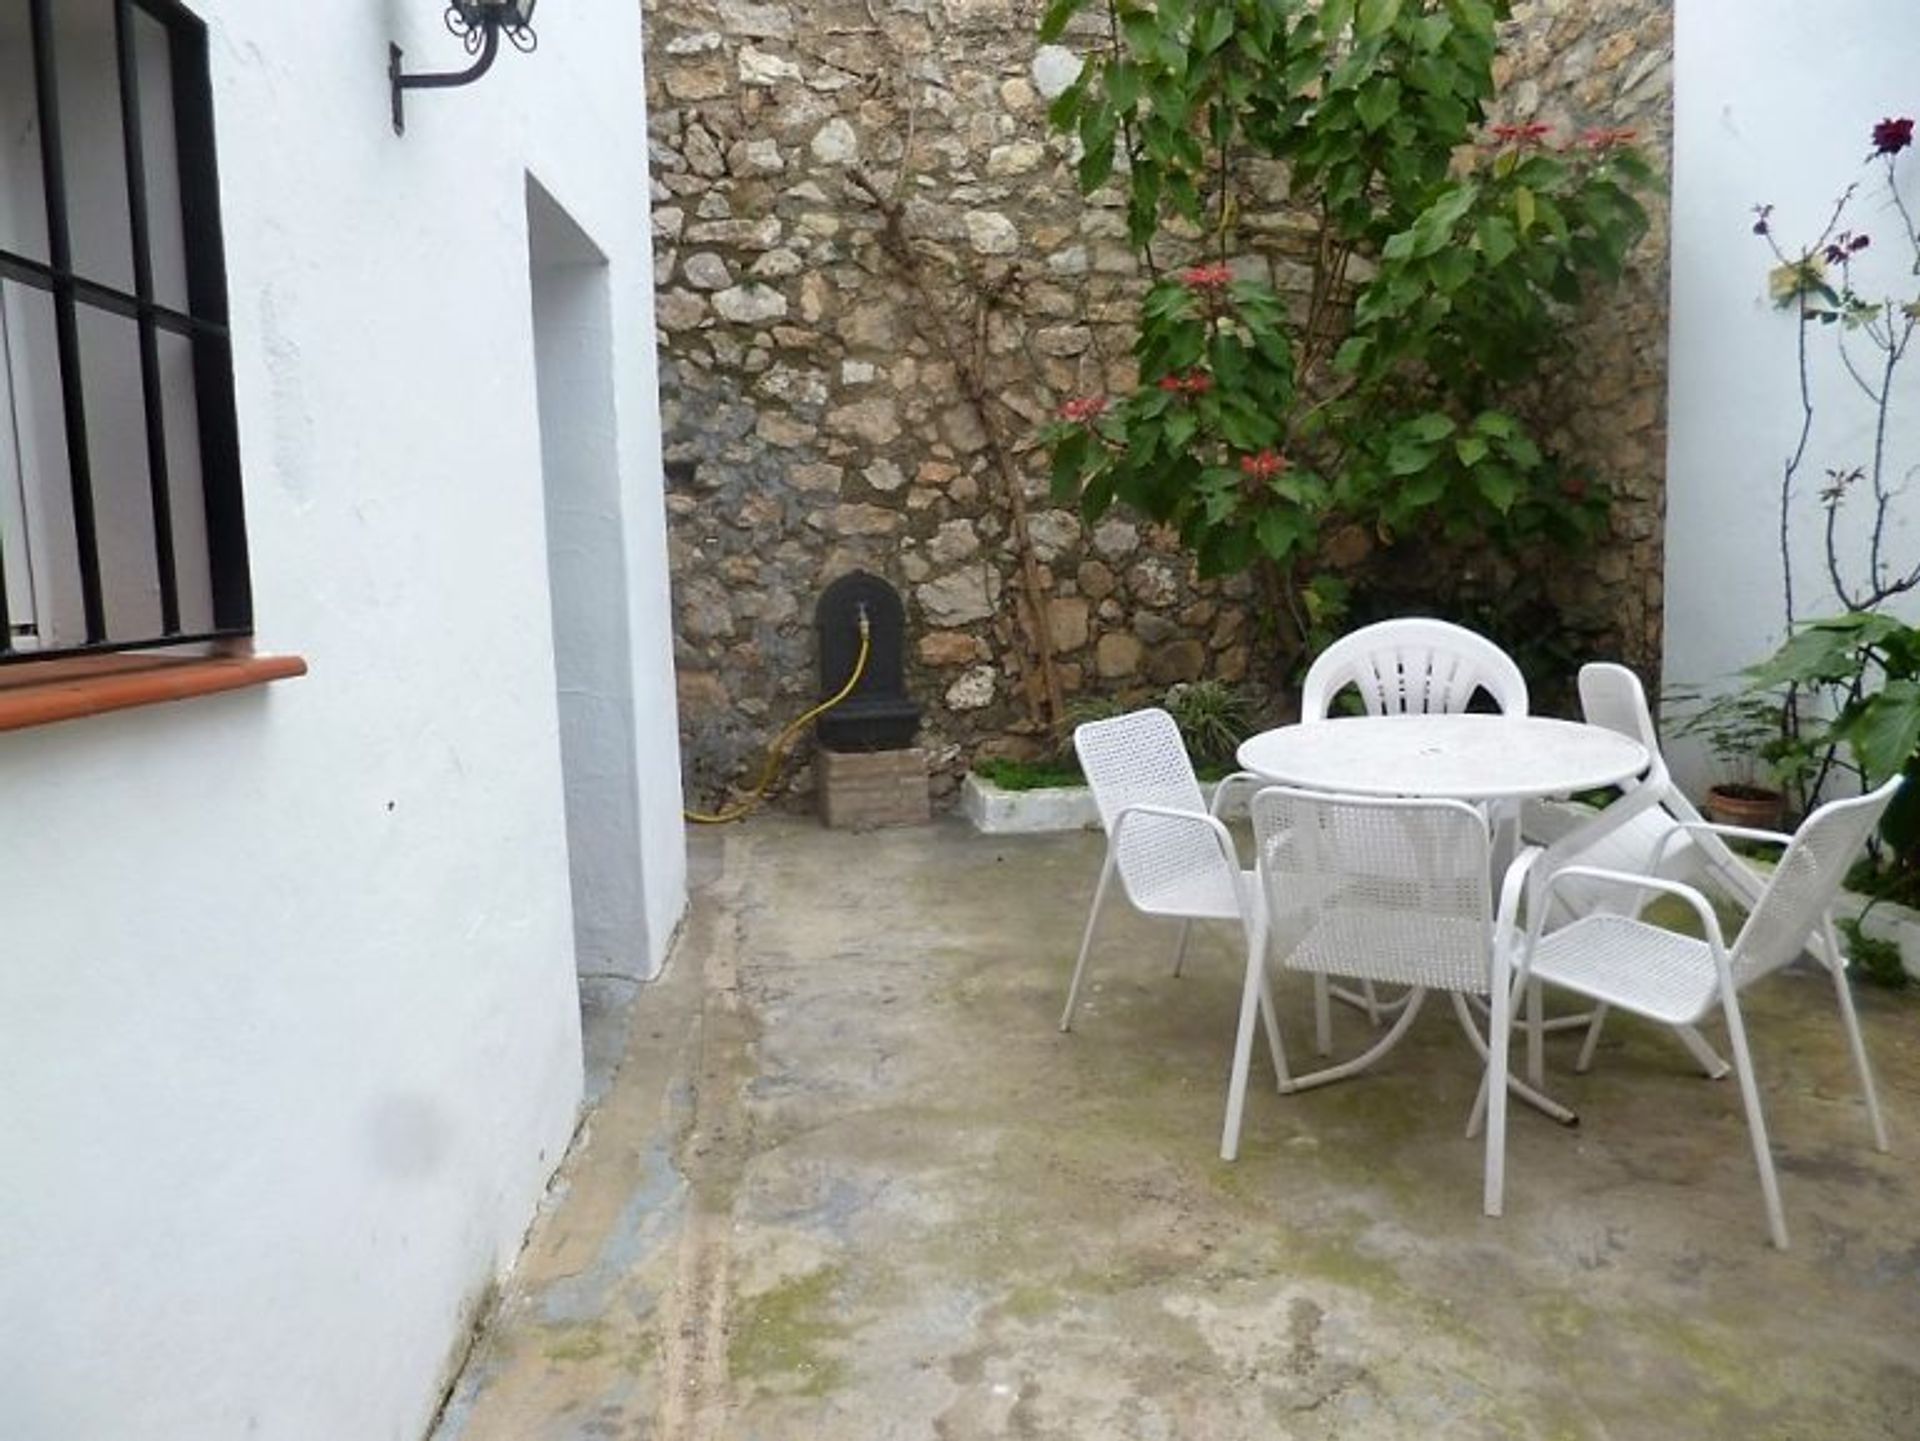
pixel 1497 240
pixel 1408 457
pixel 1219 29
pixel 1524 208
pixel 1280 530
pixel 1377 102
pixel 1423 490
pixel 1054 23
pixel 1497 485
pixel 1352 354
pixel 1472 449
pixel 1431 427
pixel 1886 733
pixel 1375 18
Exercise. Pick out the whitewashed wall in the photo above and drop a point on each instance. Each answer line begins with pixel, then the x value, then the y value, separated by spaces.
pixel 1775 101
pixel 288 1033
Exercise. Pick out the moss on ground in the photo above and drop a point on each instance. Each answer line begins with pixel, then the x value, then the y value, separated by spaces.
pixel 785 1334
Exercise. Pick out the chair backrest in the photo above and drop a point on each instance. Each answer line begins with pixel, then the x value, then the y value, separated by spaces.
pixel 1386 890
pixel 1413 667
pixel 1139 759
pixel 1795 901
pixel 1612 696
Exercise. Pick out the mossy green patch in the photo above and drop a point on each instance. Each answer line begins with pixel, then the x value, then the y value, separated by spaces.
pixel 576 1343
pixel 1031 1302
pixel 784 1334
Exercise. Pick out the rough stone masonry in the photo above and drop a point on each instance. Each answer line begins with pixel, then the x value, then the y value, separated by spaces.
pixel 814 424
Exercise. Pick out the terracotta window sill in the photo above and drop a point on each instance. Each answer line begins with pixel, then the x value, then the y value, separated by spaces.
pixel 42 693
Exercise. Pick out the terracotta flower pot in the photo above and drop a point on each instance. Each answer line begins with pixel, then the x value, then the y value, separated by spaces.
pixel 1740 805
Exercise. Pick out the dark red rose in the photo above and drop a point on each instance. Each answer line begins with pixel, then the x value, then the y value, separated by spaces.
pixel 1890 137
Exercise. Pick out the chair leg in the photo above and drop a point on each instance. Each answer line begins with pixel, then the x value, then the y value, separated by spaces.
pixel 1322 1015
pixel 1697 1047
pixel 1372 1004
pixel 1536 1028
pixel 1851 1021
pixel 1584 1061
pixel 1494 1088
pixel 1180 947
pixel 1086 943
pixel 1756 1123
pixel 1250 1006
pixel 1275 1048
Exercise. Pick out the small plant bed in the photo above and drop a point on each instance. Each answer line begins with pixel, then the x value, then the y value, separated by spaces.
pixel 1004 796
pixel 1012 775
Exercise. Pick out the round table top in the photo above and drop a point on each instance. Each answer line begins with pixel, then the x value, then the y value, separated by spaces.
pixel 1463 757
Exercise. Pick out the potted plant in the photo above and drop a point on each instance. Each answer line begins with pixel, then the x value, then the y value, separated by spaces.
pixel 1742 731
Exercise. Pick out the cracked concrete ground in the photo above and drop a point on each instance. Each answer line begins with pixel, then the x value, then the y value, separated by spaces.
pixel 851 1183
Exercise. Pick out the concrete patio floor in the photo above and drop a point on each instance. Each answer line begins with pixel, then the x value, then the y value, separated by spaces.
pixel 851 1183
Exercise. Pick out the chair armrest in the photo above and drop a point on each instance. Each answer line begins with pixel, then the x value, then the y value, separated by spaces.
pixel 1223 792
pixel 1702 907
pixel 1514 886
pixel 1738 833
pixel 1213 824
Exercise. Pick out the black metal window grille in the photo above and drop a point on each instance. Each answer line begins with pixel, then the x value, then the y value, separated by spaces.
pixel 116 367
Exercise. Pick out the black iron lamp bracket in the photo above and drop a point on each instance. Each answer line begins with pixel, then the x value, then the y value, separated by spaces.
pixel 480 25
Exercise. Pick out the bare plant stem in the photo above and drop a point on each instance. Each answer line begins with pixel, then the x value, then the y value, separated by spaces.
pixel 967 355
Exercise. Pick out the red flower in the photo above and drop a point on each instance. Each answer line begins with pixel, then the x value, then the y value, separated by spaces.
pixel 1084 409
pixel 1264 466
pixel 1890 137
pixel 1605 140
pixel 1521 134
pixel 1207 277
pixel 1845 246
pixel 1574 488
pixel 1194 382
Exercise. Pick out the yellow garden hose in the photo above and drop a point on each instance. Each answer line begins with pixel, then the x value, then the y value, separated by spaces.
pixel 777 751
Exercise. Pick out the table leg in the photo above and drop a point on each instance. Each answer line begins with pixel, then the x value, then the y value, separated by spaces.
pixel 1539 1100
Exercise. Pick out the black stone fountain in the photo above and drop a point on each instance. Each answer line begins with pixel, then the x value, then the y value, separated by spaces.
pixel 870 772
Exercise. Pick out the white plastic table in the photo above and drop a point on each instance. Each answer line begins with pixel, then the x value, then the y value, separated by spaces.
pixel 1457 757
pixel 1492 758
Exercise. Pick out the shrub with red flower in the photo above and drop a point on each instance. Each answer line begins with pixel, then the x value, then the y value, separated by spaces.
pixel 1083 409
pixel 1891 136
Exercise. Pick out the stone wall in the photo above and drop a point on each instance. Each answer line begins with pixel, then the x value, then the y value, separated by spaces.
pixel 1579 65
pixel 814 417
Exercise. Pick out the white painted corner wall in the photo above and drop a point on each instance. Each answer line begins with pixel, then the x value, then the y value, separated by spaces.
pixel 289 1037
pixel 1774 102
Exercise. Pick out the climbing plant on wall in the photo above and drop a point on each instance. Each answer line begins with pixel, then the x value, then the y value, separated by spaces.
pixel 1445 259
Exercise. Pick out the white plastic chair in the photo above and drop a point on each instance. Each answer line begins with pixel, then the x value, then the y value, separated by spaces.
pixel 1411 666
pixel 1621 961
pixel 1174 857
pixel 1670 839
pixel 1383 890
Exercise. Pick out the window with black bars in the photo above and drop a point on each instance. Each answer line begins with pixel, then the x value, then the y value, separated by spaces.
pixel 121 524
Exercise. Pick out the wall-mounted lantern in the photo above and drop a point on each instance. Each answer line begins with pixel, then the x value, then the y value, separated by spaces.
pixel 479 24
